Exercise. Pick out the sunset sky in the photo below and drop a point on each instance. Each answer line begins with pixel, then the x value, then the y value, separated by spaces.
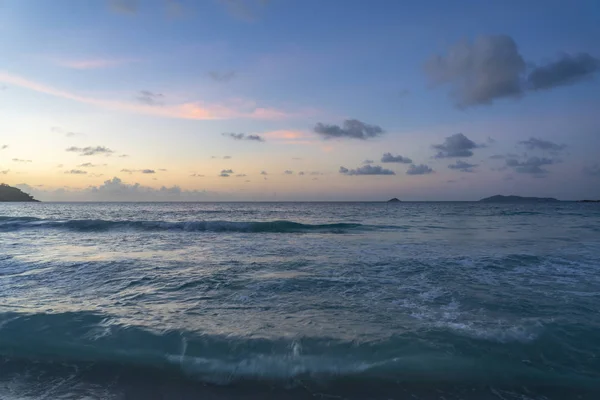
pixel 299 99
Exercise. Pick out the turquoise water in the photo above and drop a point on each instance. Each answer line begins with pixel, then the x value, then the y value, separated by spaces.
pixel 299 300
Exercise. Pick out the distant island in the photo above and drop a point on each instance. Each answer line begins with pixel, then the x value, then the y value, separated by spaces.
pixel 589 201
pixel 518 199
pixel 9 193
pixel 394 200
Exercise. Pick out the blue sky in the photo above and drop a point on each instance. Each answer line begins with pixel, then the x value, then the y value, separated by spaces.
pixel 157 85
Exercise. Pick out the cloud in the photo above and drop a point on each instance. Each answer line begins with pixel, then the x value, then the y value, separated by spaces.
pixel 226 173
pixel 222 77
pixel 462 166
pixel 288 172
pixel 226 157
pixel 76 172
pixel 592 170
pixel 3 147
pixel 124 6
pixel 243 136
pixel 263 173
pixel 367 170
pixel 301 173
pixel 162 170
pixel 389 158
pixel 240 175
pixel 142 171
pixel 567 70
pixel 90 165
pixel 368 162
pixel 150 98
pixel 497 157
pixel 19 160
pixel 197 175
pixel 532 165
pixel 352 129
pixel 4 172
pixel 479 72
pixel 457 145
pixel 540 144
pixel 421 169
pixel 175 9
pixel 90 151
pixel 124 156
pixel 116 190
pixel 93 63
pixel 196 110
pixel 246 10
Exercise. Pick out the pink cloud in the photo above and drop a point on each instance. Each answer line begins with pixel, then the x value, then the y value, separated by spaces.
pixel 188 110
pixel 96 63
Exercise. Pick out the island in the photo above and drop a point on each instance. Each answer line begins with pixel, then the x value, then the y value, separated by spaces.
pixel 394 200
pixel 589 201
pixel 518 199
pixel 9 193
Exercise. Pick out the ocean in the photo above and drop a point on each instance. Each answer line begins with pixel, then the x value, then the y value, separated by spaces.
pixel 299 300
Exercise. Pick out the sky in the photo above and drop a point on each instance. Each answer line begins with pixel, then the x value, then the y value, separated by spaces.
pixel 262 100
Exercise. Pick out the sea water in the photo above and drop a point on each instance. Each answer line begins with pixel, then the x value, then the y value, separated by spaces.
pixel 299 300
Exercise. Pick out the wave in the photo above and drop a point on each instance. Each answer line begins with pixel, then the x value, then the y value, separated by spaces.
pixel 88 339
pixel 8 224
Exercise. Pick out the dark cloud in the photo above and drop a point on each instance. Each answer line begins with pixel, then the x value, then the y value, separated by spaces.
pixel 540 144
pixel 567 70
pixel 76 172
pixel 481 71
pixel 497 157
pixel 592 170
pixel 288 172
pixel 390 158
pixel 226 173
pixel 90 151
pixel 21 160
pixel 222 76
pixel 243 136
pixel 367 170
pixel 150 98
pixel 421 169
pixel 457 145
pixel 351 129
pixel 532 165
pixel 124 6
pixel 462 166
pixel 301 173
pixel 263 172
pixel 4 146
pixel 148 171
pixel 368 162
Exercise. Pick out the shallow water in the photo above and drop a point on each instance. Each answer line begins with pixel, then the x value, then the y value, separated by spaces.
pixel 299 300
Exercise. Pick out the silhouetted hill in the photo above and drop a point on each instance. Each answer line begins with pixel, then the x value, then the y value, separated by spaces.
pixel 9 193
pixel 518 199
pixel 394 200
